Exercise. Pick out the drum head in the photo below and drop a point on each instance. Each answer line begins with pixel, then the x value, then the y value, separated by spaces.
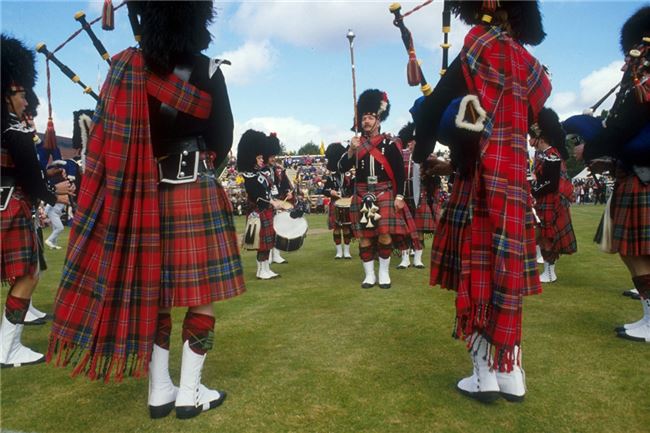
pixel 288 227
pixel 343 202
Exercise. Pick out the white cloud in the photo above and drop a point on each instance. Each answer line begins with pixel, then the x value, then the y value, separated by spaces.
pixel 324 24
pixel 248 61
pixel 95 8
pixel 62 125
pixel 293 133
pixel 592 87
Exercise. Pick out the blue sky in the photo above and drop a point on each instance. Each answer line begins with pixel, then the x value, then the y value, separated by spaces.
pixel 291 59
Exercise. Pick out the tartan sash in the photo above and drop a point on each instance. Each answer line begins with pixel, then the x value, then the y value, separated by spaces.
pixel 180 95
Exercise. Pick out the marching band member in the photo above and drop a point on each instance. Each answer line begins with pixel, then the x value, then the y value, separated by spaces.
pixel 379 187
pixel 626 138
pixel 418 207
pixel 484 245
pixel 154 228
pixel 22 184
pixel 279 190
pixel 552 190
pixel 336 188
pixel 258 184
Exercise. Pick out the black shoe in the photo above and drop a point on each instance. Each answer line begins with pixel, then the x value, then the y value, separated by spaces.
pixel 35 322
pixel 384 286
pixel 187 412
pixel 156 412
pixel 367 285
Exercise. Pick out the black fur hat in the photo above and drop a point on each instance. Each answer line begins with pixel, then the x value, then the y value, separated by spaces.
pixel 81 128
pixel 18 71
pixel 251 144
pixel 635 29
pixel 333 153
pixel 549 128
pixel 272 146
pixel 372 101
pixel 524 16
pixel 172 29
pixel 407 133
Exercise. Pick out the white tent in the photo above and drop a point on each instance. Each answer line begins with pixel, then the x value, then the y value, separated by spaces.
pixel 585 173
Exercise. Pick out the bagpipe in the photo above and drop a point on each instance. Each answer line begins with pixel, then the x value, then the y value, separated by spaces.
pixel 107 19
pixel 463 120
pixel 635 83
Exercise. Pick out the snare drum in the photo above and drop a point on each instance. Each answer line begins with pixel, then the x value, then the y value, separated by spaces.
pixel 289 232
pixel 342 211
pixel 252 234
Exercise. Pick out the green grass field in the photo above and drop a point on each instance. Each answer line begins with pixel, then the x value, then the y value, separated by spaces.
pixel 313 352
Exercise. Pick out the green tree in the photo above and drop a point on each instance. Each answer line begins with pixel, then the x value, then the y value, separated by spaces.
pixel 309 149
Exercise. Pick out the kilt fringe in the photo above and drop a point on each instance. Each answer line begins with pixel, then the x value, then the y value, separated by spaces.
pixel 63 354
pixel 478 317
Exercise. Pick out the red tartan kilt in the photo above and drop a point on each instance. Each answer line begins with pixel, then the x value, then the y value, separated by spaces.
pixel 424 219
pixel 331 216
pixel 556 232
pixel 267 232
pixel 18 244
pixel 389 223
pixel 630 211
pixel 199 250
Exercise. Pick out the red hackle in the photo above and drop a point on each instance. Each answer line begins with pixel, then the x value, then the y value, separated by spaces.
pixel 50 136
pixel 490 5
pixel 413 71
pixel 108 15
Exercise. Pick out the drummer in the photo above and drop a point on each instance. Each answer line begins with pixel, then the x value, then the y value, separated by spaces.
pixel 379 187
pixel 279 190
pixel 336 188
pixel 258 184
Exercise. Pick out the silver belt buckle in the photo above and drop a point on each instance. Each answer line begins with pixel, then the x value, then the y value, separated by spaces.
pixel 372 180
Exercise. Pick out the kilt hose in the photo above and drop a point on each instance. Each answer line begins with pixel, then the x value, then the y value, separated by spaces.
pixel 18 245
pixel 557 236
pixel 200 254
pixel 630 213
pixel 389 223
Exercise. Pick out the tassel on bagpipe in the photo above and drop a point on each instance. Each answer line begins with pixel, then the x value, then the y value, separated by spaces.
pixel 81 18
pixel 42 48
pixel 414 73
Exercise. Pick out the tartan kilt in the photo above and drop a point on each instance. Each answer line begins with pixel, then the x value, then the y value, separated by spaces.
pixel 18 246
pixel 557 234
pixel 413 238
pixel 267 232
pixel 424 217
pixel 331 216
pixel 389 223
pixel 630 213
pixel 199 250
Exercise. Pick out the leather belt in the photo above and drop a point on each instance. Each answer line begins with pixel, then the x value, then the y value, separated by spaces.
pixel 183 164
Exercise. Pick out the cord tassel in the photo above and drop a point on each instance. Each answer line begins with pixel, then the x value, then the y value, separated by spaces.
pixel 108 15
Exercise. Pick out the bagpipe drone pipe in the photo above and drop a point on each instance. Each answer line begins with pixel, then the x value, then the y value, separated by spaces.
pixel 463 120
pixel 634 94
